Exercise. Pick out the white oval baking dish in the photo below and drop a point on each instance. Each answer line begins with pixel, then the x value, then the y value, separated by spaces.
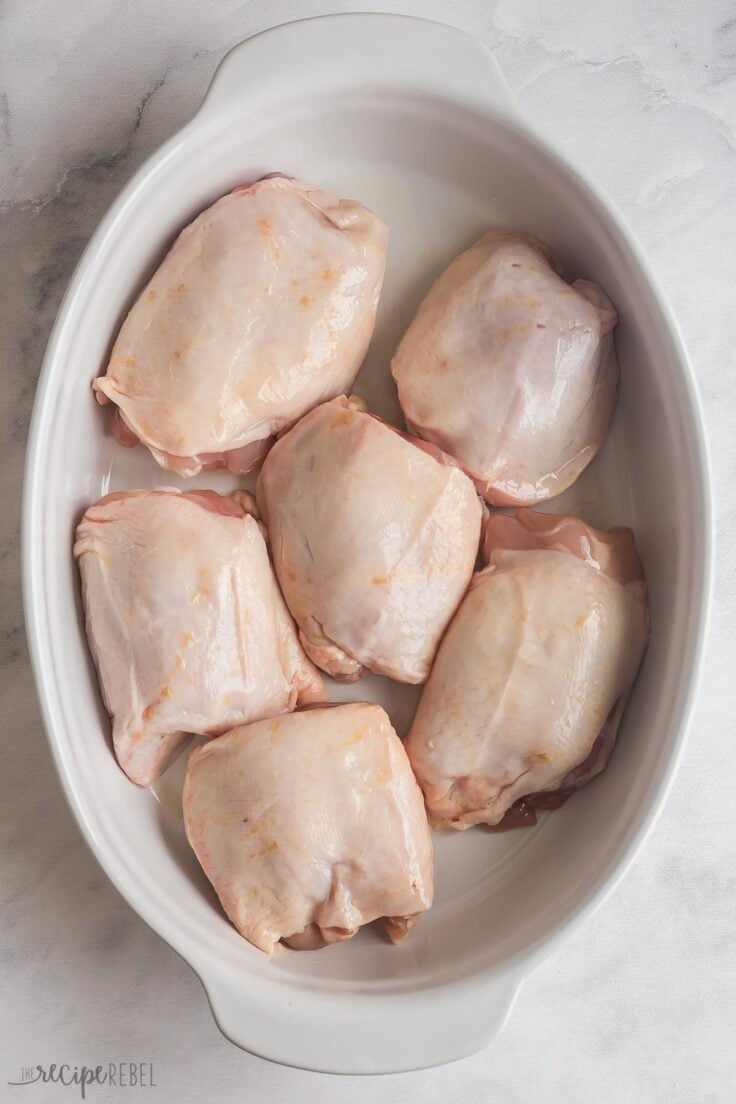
pixel 414 119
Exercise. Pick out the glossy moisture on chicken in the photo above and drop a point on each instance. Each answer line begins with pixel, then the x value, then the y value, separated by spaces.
pixel 185 622
pixel 311 825
pixel 510 369
pixel 263 307
pixel 533 675
pixel 374 538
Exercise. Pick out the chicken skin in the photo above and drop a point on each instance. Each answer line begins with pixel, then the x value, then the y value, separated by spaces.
pixel 532 677
pixel 311 825
pixel 185 622
pixel 374 538
pixel 510 370
pixel 263 308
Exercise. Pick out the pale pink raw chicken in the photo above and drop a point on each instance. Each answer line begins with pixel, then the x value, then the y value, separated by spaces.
pixel 510 370
pixel 311 825
pixel 374 538
pixel 263 307
pixel 185 622
pixel 532 677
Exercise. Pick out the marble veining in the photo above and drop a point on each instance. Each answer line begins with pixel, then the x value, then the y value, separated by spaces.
pixel 640 1004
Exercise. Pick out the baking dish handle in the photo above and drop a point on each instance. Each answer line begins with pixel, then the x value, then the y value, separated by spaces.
pixel 354 50
pixel 358 1032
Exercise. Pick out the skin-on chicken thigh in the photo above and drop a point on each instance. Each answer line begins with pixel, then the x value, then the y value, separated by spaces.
pixel 510 370
pixel 532 677
pixel 263 307
pixel 373 537
pixel 185 622
pixel 311 825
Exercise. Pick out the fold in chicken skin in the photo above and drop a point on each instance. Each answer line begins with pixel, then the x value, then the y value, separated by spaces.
pixel 263 308
pixel 185 622
pixel 310 825
pixel 373 537
pixel 532 677
pixel 510 370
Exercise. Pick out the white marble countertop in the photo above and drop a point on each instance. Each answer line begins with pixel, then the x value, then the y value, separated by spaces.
pixel 640 1005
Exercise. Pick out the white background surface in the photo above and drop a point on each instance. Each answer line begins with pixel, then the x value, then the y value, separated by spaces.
pixel 640 1005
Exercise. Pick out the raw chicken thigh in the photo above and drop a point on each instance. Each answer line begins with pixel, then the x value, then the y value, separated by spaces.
pixel 185 622
pixel 311 825
pixel 510 370
pixel 263 307
pixel 373 538
pixel 533 674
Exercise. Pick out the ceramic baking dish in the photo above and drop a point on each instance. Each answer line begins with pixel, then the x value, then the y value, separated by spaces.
pixel 415 120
